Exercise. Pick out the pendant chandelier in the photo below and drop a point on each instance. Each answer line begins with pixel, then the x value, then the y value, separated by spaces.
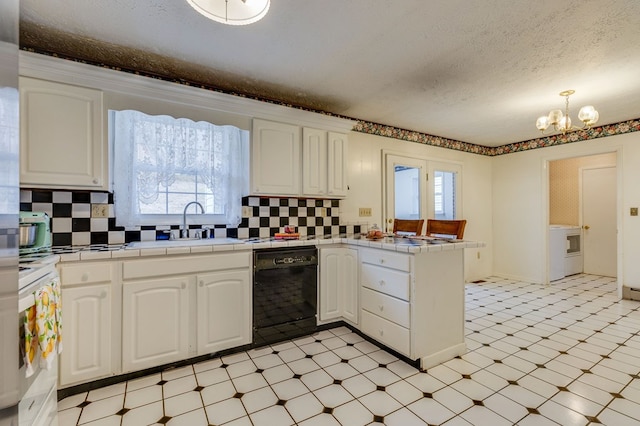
pixel 232 12
pixel 562 122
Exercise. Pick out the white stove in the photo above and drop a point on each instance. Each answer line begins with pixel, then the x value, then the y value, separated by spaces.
pixel 38 392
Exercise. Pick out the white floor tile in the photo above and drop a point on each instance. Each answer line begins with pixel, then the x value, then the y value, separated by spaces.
pixel 102 408
pixel 182 403
pixel 249 382
pixel 380 403
pixel 304 407
pixel 482 416
pixel 431 411
pixel 144 415
pixel 225 411
pixel 289 389
pixel 353 414
pixel 332 396
pixel 259 399
pixel 272 416
pixel 143 396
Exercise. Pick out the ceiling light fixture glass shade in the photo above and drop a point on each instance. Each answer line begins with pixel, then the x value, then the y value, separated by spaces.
pixel 232 12
pixel 562 122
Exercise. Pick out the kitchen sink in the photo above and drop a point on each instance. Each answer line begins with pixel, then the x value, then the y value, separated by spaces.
pixel 183 242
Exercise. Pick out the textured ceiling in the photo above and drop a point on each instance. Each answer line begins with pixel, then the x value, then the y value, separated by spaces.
pixel 474 71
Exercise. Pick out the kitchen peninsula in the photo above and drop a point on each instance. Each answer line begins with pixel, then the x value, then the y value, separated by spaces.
pixel 129 309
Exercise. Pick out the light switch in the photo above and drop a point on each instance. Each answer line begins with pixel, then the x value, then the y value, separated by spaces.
pixel 633 211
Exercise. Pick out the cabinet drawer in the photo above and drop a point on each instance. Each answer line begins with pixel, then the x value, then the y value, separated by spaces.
pixel 85 273
pixel 387 259
pixel 387 307
pixel 387 281
pixel 386 332
pixel 162 266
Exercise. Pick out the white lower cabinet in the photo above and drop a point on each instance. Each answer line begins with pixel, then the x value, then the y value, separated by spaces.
pixel 177 307
pixel 338 284
pixel 414 302
pixel 223 316
pixel 156 322
pixel 89 328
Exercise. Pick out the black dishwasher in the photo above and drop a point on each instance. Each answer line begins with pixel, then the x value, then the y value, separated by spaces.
pixel 285 293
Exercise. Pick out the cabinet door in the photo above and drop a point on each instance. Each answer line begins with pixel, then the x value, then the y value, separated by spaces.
pixel 339 284
pixel 314 162
pixel 87 333
pixel 224 311
pixel 275 158
pixel 330 277
pixel 155 315
pixel 337 165
pixel 62 142
pixel 349 272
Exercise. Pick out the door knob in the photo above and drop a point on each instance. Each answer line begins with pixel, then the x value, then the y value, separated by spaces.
pixel 586 227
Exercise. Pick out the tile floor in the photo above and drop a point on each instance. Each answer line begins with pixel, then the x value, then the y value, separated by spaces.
pixel 566 354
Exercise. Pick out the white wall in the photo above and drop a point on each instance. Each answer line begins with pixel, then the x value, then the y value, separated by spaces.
pixel 366 181
pixel 520 207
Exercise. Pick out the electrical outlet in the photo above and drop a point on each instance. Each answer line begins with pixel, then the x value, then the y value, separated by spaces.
pixel 364 211
pixel 99 210
pixel 247 211
pixel 633 211
pixel 478 255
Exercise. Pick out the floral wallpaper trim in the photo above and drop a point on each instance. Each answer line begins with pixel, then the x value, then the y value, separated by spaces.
pixel 403 134
pixel 544 142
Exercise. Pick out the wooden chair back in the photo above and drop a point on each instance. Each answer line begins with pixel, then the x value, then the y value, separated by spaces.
pixel 446 227
pixel 406 225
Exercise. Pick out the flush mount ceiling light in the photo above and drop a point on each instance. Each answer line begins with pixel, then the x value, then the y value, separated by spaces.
pixel 562 123
pixel 232 12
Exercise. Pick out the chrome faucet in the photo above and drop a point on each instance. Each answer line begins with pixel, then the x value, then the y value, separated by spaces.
pixel 185 232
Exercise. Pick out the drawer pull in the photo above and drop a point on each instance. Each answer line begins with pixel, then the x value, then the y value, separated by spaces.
pixel 183 286
pixel 381 261
pixel 381 332
pixel 382 282
pixel 103 295
pixel 84 277
pixel 381 308
pixel 201 283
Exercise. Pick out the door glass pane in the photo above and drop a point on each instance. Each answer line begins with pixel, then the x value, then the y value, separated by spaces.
pixel 407 192
pixel 444 190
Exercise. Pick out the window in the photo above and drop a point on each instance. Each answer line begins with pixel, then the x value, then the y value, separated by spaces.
pixel 162 163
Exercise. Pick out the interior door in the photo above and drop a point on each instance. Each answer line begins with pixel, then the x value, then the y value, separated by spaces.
pixel 599 221
pixel 405 189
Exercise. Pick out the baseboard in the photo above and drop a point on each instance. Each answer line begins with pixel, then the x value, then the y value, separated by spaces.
pixel 443 356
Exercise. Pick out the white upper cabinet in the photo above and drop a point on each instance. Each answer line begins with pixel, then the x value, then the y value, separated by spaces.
pixel 336 165
pixel 62 143
pixel 284 164
pixel 275 158
pixel 314 162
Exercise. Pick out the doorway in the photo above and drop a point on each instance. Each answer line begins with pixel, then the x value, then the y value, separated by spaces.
pixel 570 205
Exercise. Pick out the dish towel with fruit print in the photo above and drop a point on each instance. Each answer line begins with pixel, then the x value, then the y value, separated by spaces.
pixel 46 333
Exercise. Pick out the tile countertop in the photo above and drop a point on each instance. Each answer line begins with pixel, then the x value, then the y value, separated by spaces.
pixel 399 244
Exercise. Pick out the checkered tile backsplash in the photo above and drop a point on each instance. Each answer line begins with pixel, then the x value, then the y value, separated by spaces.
pixel 72 224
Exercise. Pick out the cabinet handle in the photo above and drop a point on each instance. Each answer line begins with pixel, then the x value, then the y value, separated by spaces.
pixel 382 282
pixel 201 283
pixel 95 181
pixel 381 308
pixel 183 286
pixel 84 277
pixel 103 295
pixel 381 261
pixel 381 332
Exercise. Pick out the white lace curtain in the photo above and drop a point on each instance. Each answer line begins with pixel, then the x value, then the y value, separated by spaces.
pixel 150 150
